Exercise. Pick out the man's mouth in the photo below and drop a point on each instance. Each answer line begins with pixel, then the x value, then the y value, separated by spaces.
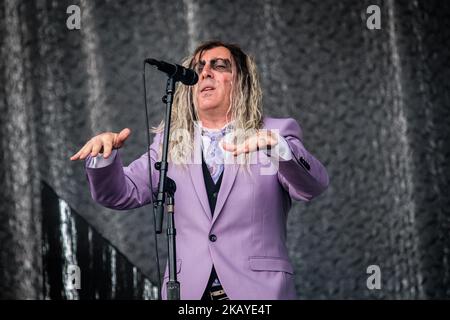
pixel 207 89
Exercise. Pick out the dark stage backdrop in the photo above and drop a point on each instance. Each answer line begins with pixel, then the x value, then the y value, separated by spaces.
pixel 374 106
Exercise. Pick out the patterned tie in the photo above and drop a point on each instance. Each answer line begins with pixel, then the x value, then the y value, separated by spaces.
pixel 213 154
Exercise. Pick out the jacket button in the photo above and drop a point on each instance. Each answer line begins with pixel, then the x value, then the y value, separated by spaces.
pixel 212 238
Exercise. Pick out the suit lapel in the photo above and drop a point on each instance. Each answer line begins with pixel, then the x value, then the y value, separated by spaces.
pixel 196 174
pixel 229 176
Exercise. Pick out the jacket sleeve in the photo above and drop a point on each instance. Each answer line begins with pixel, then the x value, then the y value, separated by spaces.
pixel 303 177
pixel 121 188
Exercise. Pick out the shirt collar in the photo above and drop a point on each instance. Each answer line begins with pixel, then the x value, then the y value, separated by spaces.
pixel 214 132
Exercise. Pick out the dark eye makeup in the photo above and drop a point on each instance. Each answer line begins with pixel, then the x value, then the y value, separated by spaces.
pixel 218 64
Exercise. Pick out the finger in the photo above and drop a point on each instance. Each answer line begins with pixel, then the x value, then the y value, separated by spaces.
pixel 107 149
pixel 121 137
pixel 262 143
pixel 229 146
pixel 96 148
pixel 242 148
pixel 76 156
pixel 253 144
pixel 86 150
pixel 238 149
pixel 249 145
pixel 272 138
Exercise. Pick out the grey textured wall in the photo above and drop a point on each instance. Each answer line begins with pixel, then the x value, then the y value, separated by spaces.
pixel 374 106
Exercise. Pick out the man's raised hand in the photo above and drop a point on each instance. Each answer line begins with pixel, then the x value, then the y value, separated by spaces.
pixel 102 143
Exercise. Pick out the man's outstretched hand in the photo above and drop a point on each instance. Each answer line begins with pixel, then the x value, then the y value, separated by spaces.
pixel 262 140
pixel 102 143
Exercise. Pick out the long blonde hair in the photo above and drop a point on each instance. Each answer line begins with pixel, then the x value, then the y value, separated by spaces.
pixel 245 104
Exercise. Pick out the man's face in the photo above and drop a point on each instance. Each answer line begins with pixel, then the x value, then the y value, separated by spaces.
pixel 213 89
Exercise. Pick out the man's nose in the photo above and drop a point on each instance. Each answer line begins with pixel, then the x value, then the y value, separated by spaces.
pixel 207 72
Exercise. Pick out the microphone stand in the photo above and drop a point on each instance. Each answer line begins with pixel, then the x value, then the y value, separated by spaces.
pixel 167 186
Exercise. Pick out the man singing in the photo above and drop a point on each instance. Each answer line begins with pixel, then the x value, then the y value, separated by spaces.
pixel 230 209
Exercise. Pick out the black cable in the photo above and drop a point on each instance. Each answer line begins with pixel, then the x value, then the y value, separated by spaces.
pixel 151 185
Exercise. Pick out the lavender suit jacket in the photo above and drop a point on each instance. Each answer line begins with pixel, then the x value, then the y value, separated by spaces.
pixel 249 221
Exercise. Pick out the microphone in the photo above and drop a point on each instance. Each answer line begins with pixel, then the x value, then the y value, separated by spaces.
pixel 179 73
